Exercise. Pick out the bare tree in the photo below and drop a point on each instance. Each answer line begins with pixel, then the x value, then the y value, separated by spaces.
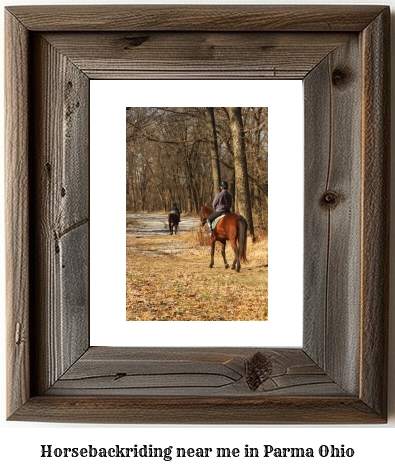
pixel 181 154
pixel 241 173
pixel 213 149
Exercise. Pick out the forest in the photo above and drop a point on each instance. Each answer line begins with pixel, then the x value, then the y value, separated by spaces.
pixel 182 154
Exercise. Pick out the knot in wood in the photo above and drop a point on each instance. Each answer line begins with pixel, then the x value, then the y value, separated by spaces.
pixel 330 198
pixel 259 369
pixel 339 77
pixel 135 41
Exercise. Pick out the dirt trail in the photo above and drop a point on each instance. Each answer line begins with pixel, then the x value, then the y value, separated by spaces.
pixel 168 277
pixel 155 224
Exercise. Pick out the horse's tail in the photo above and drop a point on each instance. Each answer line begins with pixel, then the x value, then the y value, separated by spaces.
pixel 242 238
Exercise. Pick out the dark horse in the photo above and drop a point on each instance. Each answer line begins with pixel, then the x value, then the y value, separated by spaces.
pixel 232 227
pixel 173 220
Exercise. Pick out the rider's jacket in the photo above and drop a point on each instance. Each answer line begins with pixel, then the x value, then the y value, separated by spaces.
pixel 222 201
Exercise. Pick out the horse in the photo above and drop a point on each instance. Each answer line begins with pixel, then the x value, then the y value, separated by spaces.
pixel 173 221
pixel 232 227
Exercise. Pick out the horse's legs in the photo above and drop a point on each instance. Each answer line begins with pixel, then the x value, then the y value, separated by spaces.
pixel 212 252
pixel 171 228
pixel 236 261
pixel 175 229
pixel 223 254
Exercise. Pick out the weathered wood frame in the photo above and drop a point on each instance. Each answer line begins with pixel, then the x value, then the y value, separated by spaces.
pixel 340 374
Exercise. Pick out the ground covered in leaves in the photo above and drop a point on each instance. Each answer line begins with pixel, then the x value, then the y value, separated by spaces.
pixel 168 278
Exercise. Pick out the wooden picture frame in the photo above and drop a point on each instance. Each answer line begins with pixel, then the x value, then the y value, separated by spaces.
pixel 340 374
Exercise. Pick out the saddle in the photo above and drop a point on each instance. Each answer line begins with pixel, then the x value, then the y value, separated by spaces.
pixel 215 221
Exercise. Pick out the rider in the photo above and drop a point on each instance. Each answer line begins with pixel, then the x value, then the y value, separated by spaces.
pixel 176 211
pixel 222 204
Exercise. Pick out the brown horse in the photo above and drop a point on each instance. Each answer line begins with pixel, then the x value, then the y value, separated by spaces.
pixel 232 227
pixel 173 221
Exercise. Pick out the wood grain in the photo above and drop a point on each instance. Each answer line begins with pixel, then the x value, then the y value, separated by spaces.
pixel 60 185
pixel 196 17
pixel 192 372
pixel 17 213
pixel 332 214
pixel 317 115
pixel 339 376
pixel 148 55
pixel 375 212
pixel 198 410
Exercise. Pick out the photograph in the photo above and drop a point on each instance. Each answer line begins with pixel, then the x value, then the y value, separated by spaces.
pixel 197 213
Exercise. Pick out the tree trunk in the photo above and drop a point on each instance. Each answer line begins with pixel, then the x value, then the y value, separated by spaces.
pixel 265 213
pixel 232 190
pixel 157 184
pixel 189 203
pixel 241 174
pixel 213 149
pixel 194 195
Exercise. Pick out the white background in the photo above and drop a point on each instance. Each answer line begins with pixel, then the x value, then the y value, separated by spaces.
pixel 284 98
pixel 20 442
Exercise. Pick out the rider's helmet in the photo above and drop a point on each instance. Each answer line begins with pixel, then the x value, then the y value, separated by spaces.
pixel 224 185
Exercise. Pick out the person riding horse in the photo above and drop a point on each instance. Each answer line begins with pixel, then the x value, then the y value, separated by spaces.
pixel 175 210
pixel 222 204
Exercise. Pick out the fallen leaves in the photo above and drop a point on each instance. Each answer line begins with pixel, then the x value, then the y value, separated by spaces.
pixel 178 285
